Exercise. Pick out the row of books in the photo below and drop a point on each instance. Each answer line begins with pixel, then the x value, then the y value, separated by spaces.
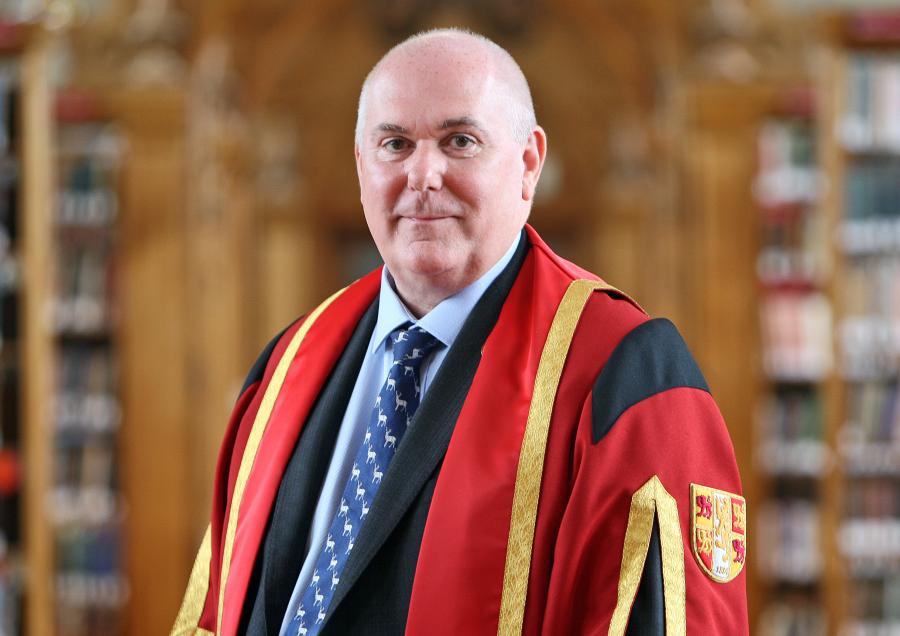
pixel 864 237
pixel 796 335
pixel 86 400
pixel 792 617
pixel 873 415
pixel 875 498
pixel 792 412
pixel 876 604
pixel 870 628
pixel 872 190
pixel 790 531
pixel 870 546
pixel 870 331
pixel 10 595
pixel 92 554
pixel 87 196
pixel 791 427
pixel 84 491
pixel 787 173
pixel 792 267
pixel 870 120
pixel 9 105
pixel 83 303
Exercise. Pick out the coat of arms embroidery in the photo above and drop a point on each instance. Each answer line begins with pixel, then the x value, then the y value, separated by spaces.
pixel 718 532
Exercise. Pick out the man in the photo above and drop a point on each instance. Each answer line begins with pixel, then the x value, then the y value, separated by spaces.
pixel 480 437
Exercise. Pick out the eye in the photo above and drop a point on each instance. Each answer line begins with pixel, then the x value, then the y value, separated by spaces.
pixel 461 142
pixel 394 144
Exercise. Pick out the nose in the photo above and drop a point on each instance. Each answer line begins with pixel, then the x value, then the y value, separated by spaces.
pixel 425 168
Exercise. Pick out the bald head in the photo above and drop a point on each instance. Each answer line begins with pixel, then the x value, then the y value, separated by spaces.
pixel 468 51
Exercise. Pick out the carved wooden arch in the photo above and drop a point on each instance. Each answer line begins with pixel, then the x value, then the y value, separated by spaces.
pixel 623 39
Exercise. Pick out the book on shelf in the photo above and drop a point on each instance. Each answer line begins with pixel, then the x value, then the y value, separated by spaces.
pixel 870 122
pixel 790 530
pixel 796 335
pixel 787 174
pixel 791 423
pixel 792 616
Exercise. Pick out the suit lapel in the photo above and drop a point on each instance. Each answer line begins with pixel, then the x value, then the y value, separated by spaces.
pixel 428 437
pixel 298 493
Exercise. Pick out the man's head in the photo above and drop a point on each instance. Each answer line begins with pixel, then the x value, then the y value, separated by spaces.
pixel 448 155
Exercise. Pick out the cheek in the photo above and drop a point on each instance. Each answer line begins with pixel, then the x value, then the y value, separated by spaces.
pixel 387 180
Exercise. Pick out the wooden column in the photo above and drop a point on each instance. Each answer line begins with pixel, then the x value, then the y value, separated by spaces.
pixel 721 242
pixel 36 219
pixel 156 432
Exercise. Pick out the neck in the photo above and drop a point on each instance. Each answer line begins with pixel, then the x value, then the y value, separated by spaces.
pixel 421 296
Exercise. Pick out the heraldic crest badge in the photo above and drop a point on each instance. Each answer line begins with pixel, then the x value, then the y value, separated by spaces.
pixel 718 532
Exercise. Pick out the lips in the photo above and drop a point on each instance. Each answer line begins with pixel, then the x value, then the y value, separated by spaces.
pixel 426 219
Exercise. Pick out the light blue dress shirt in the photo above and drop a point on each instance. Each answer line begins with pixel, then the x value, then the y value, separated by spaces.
pixel 444 323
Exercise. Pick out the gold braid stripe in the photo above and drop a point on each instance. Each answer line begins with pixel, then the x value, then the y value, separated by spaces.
pixel 531 458
pixel 650 499
pixel 195 596
pixel 253 441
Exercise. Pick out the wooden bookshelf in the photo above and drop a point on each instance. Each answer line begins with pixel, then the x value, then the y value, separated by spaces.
pixel 860 150
pixel 69 578
pixel 795 427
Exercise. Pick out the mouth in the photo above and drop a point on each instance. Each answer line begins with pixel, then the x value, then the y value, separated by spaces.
pixel 424 219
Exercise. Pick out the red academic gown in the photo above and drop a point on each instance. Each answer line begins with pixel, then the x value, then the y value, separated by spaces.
pixel 638 473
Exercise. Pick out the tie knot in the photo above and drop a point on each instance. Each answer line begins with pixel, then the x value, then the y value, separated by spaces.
pixel 412 344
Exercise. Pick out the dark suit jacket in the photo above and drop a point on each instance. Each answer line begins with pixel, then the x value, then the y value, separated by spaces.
pixel 373 594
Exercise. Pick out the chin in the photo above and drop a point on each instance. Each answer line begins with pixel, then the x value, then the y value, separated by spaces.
pixel 429 263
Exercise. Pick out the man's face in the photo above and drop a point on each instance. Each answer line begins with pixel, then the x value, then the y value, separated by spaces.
pixel 440 174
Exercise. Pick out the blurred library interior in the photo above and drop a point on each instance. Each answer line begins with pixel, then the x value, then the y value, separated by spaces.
pixel 177 184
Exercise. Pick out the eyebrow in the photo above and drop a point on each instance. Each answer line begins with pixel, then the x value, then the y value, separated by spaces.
pixel 453 122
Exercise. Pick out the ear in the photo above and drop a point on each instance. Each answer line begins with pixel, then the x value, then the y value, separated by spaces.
pixel 533 160
pixel 357 157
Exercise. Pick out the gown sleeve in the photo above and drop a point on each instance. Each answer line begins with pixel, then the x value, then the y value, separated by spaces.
pixel 653 536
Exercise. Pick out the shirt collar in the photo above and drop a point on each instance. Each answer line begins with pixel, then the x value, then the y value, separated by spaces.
pixel 446 319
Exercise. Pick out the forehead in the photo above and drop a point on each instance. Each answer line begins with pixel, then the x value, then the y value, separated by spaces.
pixel 431 89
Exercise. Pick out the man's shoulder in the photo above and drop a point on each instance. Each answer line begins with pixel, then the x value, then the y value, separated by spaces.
pixel 651 359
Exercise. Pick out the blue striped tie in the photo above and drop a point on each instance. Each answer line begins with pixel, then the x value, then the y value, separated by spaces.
pixel 394 409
